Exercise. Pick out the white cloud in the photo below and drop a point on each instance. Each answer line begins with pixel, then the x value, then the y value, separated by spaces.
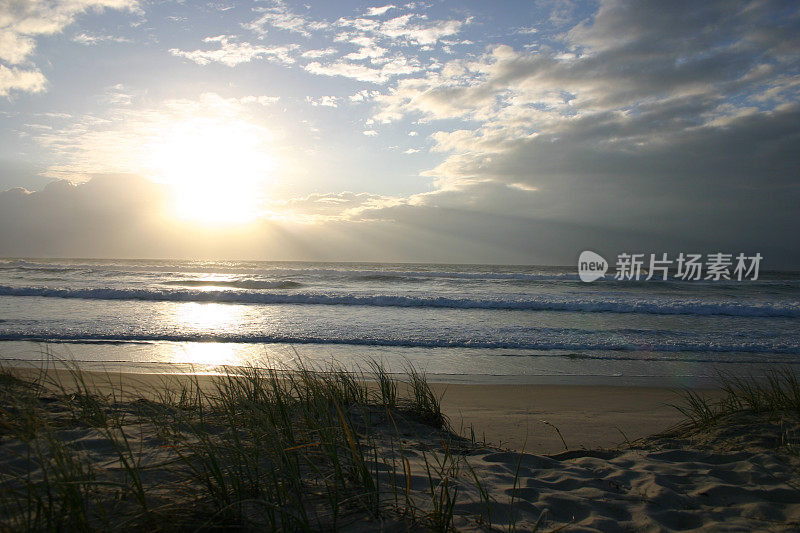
pixel 261 100
pixel 343 206
pixel 408 29
pixel 232 53
pixel 89 39
pixel 13 79
pixel 21 22
pixel 411 151
pixel 370 133
pixel 118 95
pixel 14 48
pixel 422 32
pixel 324 101
pixel 315 54
pixel 281 17
pixel 367 52
pixel 397 66
pixel 364 95
pixel 378 11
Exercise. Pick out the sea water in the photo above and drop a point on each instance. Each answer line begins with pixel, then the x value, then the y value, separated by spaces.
pixel 462 322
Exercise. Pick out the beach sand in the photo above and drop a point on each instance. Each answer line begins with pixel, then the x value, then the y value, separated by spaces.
pixel 587 416
pixel 507 416
pixel 737 476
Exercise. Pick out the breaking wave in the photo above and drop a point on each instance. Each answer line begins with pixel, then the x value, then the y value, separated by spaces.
pixel 585 304
pixel 252 284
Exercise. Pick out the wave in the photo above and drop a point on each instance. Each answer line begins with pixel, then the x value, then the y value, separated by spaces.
pixel 321 272
pixel 618 349
pixel 538 303
pixel 236 284
pixel 385 277
pixel 370 275
pixel 278 269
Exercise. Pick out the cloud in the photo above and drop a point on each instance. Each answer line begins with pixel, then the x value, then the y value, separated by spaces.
pixel 232 53
pixel 124 139
pixel 371 51
pixel 382 52
pixel 128 216
pixel 15 48
pixel 88 39
pixel 397 66
pixel 674 122
pixel 314 54
pixel 637 84
pixel 105 216
pixel 378 11
pixel 21 22
pixel 410 28
pixel 363 95
pixel 281 17
pixel 421 32
pixel 627 56
pixel 343 206
pixel 261 100
pixel 14 79
pixel 324 101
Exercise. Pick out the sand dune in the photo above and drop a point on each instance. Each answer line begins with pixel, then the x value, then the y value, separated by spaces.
pixel 740 475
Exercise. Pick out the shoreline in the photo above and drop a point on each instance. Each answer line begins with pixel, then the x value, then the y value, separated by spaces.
pixel 484 367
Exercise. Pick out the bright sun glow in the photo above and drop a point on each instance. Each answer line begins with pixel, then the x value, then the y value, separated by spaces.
pixel 215 167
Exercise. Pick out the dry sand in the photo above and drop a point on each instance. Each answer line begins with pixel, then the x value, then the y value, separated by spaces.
pixel 732 478
pixel 591 417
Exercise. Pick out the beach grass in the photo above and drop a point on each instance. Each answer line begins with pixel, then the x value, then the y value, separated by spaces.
pixel 776 393
pixel 754 409
pixel 300 449
pixel 305 449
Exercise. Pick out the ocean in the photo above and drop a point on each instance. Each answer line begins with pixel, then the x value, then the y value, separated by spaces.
pixel 457 322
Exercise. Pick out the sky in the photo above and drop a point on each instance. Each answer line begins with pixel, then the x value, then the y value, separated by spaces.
pixel 514 131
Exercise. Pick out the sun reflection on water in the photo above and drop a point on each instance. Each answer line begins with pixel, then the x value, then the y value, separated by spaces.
pixel 212 354
pixel 210 318
pixel 213 320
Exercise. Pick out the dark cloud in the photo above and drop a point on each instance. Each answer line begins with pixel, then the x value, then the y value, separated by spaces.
pixel 126 216
pixel 678 121
pixel 13 172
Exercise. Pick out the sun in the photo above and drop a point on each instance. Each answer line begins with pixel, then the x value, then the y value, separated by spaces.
pixel 216 168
